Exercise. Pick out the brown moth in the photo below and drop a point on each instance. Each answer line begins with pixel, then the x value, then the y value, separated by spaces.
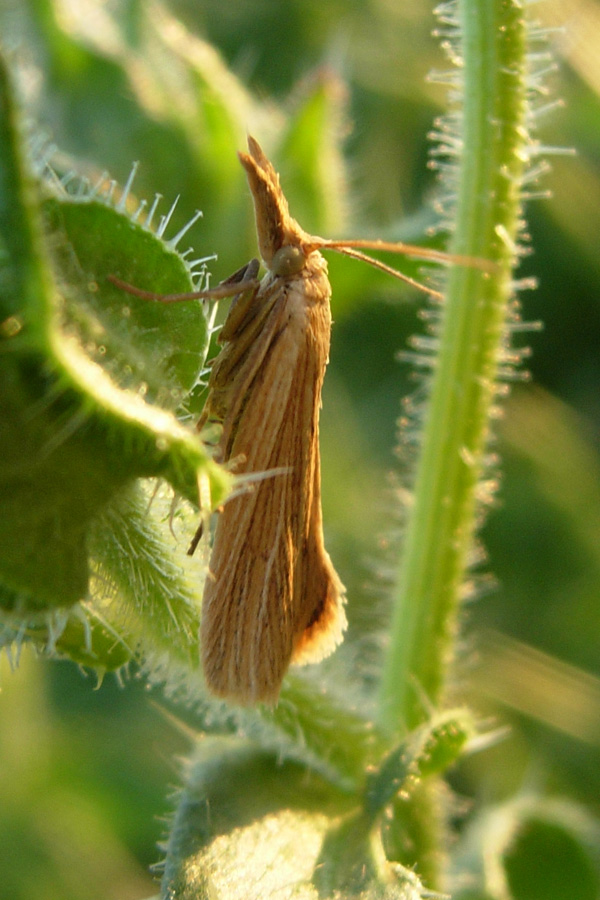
pixel 272 596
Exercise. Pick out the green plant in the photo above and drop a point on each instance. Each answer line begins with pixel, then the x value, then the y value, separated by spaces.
pixel 337 792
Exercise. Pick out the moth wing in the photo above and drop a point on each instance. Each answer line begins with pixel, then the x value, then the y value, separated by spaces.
pixel 255 607
pixel 234 370
pixel 324 627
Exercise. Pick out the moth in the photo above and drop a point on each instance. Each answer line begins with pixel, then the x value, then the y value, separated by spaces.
pixel 272 596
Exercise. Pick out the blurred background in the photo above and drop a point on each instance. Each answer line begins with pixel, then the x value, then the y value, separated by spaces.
pixel 85 774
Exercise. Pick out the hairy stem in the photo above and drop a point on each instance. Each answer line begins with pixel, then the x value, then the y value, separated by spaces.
pixel 489 137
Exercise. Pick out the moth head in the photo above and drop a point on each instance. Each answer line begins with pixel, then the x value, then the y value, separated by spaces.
pixel 277 232
pixel 287 261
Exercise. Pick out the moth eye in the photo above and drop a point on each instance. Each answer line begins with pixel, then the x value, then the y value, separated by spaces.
pixel 287 261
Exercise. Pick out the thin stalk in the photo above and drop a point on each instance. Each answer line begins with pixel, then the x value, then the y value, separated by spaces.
pixel 492 148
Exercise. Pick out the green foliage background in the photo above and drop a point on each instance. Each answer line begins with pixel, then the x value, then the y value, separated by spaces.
pixel 83 772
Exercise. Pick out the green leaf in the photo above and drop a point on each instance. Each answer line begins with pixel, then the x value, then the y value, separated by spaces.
pixel 555 855
pixel 144 583
pixel 71 439
pixel 321 729
pixel 352 863
pixel 528 848
pixel 247 825
pixel 190 115
pixel 137 342
pixel 84 638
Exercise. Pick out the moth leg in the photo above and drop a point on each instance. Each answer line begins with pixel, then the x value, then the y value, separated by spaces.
pixel 204 505
pixel 242 306
pixel 247 272
pixel 196 539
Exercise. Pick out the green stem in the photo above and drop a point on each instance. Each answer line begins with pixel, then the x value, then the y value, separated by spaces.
pixel 472 335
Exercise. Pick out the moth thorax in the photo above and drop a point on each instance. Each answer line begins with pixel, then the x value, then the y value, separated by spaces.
pixel 288 260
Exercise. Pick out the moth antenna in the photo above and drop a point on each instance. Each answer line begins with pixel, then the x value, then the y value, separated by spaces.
pixel 216 293
pixel 345 250
pixel 472 262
